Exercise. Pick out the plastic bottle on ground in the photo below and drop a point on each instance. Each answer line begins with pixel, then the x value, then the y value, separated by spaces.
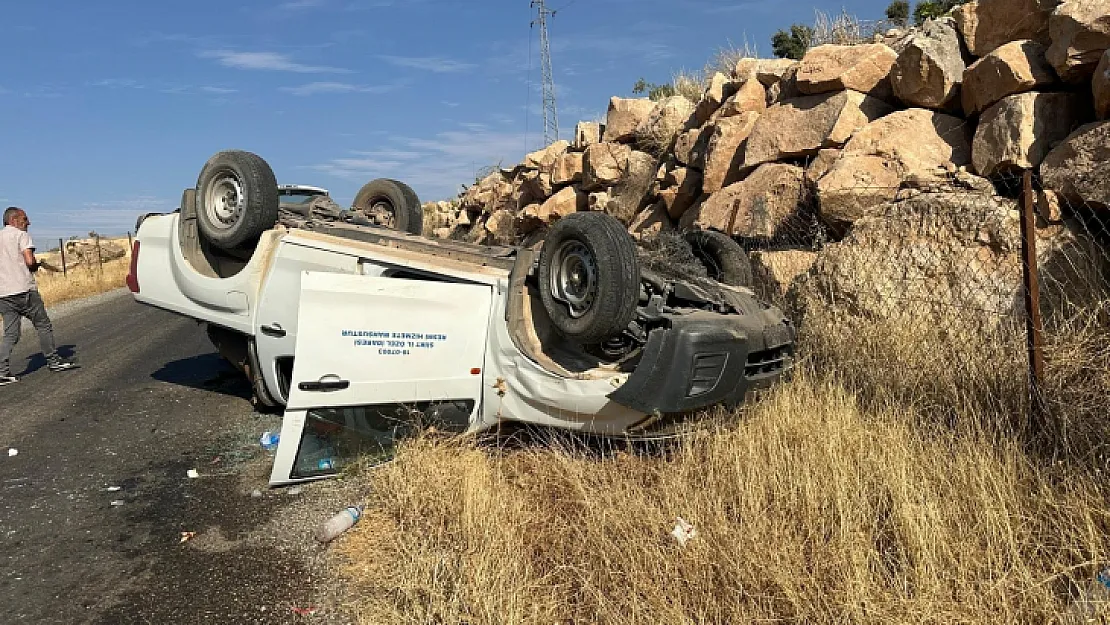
pixel 338 524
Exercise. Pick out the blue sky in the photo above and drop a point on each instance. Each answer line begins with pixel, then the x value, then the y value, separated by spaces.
pixel 108 109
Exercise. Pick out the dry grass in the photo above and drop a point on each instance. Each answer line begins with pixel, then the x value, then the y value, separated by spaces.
pixel 726 58
pixel 889 482
pixel 845 29
pixel 83 281
pixel 809 509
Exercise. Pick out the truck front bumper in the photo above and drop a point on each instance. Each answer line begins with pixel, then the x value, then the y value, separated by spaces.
pixel 706 359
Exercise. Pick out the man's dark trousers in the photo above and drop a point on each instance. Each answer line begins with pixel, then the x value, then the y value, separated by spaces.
pixel 13 308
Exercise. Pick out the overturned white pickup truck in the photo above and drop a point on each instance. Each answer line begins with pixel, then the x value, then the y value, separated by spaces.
pixel 365 331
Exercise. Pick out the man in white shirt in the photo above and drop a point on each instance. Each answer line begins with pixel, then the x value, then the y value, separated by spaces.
pixel 19 295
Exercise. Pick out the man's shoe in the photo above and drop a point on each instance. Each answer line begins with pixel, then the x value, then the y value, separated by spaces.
pixel 62 365
pixel 8 379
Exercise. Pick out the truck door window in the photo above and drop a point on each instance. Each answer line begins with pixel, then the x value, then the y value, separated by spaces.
pixel 336 437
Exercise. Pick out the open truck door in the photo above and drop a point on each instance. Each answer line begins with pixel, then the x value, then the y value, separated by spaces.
pixel 378 359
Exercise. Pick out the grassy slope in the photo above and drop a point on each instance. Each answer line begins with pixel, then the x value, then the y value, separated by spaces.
pixel 883 484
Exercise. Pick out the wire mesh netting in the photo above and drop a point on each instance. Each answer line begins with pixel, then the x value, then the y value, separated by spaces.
pixel 922 295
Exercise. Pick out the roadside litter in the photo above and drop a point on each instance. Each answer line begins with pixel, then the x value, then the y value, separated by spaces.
pixel 186 536
pixel 683 532
pixel 118 502
pixel 302 611
pixel 12 451
pixel 113 489
pixel 1093 598
pixel 269 440
pixel 339 523
pixel 192 474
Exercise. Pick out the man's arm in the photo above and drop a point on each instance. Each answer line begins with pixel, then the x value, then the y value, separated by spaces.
pixel 29 259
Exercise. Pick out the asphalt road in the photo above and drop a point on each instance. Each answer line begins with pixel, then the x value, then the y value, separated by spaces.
pixel 93 506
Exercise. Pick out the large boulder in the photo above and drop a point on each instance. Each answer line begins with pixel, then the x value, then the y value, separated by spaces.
pixel 1079 168
pixel 586 134
pixel 569 200
pixel 720 88
pixel 820 165
pixel 682 192
pixel 1018 131
pixel 724 153
pixel 651 222
pixel 604 164
pixel 766 71
pixel 690 146
pixel 785 89
pixel 987 24
pixel 864 68
pixel 544 159
pixel 667 119
pixel 1013 68
pixel 801 127
pixel 932 256
pixel 914 143
pixel 490 193
pixel 853 185
pixel 774 272
pixel 1080 32
pixel 1100 85
pixel 930 67
pixel 752 97
pixel 769 203
pixel 624 116
pixel 568 168
pixel 500 228
pixel 629 194
pixel 535 186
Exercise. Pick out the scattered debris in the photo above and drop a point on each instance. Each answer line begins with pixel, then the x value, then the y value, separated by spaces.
pixel 186 537
pixel 302 611
pixel 683 532
pixel 338 524
pixel 192 473
pixel 269 440
pixel 118 502
pixel 113 489
pixel 256 493
pixel 296 490
pixel 215 460
pixel 12 451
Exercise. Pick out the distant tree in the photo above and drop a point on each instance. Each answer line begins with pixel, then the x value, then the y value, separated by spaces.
pixel 931 9
pixel 93 234
pixel 899 12
pixel 655 92
pixel 792 44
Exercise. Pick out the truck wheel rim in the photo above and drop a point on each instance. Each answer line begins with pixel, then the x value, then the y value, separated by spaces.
pixel 574 279
pixel 382 213
pixel 224 201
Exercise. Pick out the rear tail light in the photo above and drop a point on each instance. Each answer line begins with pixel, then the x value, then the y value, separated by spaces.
pixel 133 274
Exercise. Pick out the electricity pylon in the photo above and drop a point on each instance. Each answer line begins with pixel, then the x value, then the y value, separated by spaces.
pixel 550 113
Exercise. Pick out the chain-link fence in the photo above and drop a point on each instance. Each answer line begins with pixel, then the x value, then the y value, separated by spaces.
pixel 952 293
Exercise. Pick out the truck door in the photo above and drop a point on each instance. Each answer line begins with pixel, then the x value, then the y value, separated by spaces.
pixel 378 359
pixel 276 317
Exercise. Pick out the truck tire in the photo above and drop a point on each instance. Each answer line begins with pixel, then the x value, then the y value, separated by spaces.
pixel 589 277
pixel 391 204
pixel 723 258
pixel 237 199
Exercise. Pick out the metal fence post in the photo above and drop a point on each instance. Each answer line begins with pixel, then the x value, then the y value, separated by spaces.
pixel 130 243
pixel 1034 327
pixel 62 250
pixel 99 259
